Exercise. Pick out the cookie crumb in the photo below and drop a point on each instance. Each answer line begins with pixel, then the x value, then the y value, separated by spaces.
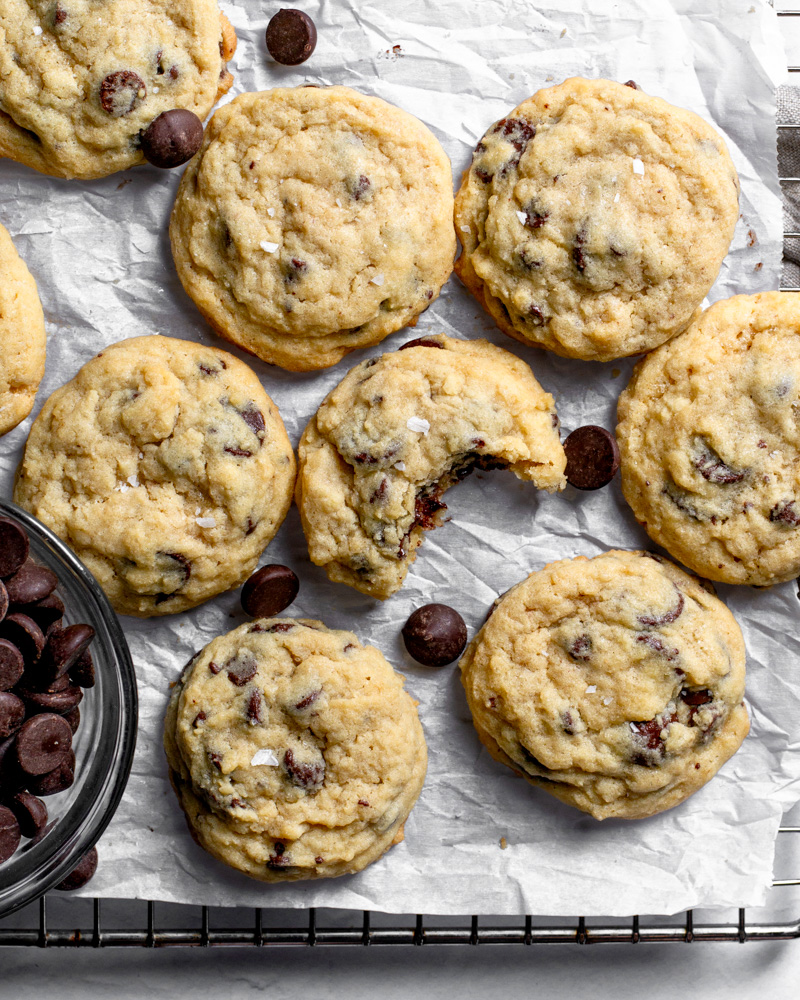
pixel 503 843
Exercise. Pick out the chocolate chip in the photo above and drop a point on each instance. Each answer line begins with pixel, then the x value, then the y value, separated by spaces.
pixel 9 833
pixel 581 648
pixel 654 643
pixel 31 583
pixel 647 739
pixel 73 717
pixel 435 635
pixel 55 781
pixel 359 188
pixel 656 621
pixel 422 342
pixel 65 646
pixel 241 670
pixel 309 776
pixel 291 36
pixel 59 15
pixel 785 513
pixel 307 701
pixel 11 665
pixel 578 256
pixel 13 546
pixel 82 671
pixel 255 703
pixel 121 92
pixel 631 84
pixel 81 873
pixel 254 419
pixel 58 702
pixel 45 613
pixel 269 591
pixel 25 634
pixel 43 743
pixel 31 813
pixel 172 138
pixel 12 713
pixel 592 457
pixel 711 467
pixel 4 602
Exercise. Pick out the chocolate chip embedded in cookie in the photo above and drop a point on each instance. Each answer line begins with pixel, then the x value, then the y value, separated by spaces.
pixel 22 336
pixel 110 69
pixel 707 435
pixel 613 683
pixel 307 770
pixel 400 430
pixel 167 468
pixel 594 219
pixel 312 222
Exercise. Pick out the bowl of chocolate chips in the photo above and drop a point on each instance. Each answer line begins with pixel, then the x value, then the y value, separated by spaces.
pixel 68 713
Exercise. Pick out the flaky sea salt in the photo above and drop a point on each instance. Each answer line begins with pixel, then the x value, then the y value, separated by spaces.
pixel 265 757
pixel 400 465
pixel 37 30
pixel 419 424
pixel 206 522
pixel 633 727
pixel 271 213
pixel 268 247
pixel 197 511
pixel 638 166
pixel 607 701
pixel 591 689
pixel 616 197
pixel 522 217
pixel 122 488
pixel 376 279
pixel 133 480
pixel 464 229
pixel 338 203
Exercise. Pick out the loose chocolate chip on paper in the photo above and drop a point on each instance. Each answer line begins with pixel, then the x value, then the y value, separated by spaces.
pixel 172 138
pixel 435 635
pixel 43 743
pixel 9 833
pixel 592 457
pixel 269 591
pixel 121 92
pixel 13 546
pixel 291 36
pixel 81 873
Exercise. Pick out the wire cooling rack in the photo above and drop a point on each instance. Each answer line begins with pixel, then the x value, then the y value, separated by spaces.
pixel 206 927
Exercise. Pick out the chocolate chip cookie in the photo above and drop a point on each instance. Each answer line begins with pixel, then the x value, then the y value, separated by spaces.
pixel 294 750
pixel 401 429
pixel 22 337
pixel 613 683
pixel 80 80
pixel 313 221
pixel 165 466
pixel 594 219
pixel 710 445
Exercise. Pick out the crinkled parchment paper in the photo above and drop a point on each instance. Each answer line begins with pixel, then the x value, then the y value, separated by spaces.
pixel 100 253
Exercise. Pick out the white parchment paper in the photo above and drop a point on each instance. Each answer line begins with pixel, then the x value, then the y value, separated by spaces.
pixel 100 253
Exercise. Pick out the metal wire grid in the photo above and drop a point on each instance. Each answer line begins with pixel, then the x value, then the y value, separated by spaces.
pixel 361 931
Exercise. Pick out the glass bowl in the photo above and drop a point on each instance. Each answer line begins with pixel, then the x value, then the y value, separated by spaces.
pixel 105 740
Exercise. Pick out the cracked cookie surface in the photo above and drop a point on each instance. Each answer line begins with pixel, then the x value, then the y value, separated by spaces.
pixel 397 432
pixel 22 337
pixel 613 683
pixel 313 221
pixel 710 444
pixel 594 219
pixel 79 79
pixel 165 466
pixel 294 750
